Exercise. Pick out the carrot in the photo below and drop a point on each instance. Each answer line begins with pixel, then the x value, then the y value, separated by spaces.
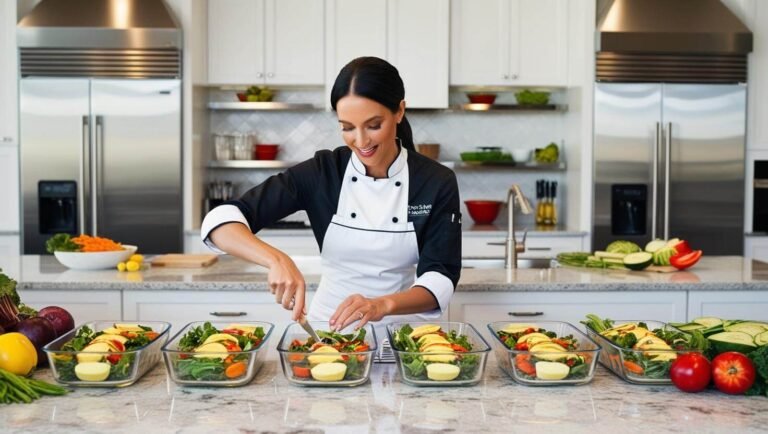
pixel 458 348
pixel 633 367
pixel 524 364
pixel 295 358
pixel 151 335
pixel 302 372
pixel 96 244
pixel 235 370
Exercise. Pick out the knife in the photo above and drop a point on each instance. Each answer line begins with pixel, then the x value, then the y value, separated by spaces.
pixel 308 328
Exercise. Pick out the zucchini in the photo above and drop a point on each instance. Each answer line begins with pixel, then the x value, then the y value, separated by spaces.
pixel 604 255
pixel 750 328
pixel 708 321
pixel 655 245
pixel 690 327
pixel 613 261
pixel 732 341
pixel 761 339
pixel 638 261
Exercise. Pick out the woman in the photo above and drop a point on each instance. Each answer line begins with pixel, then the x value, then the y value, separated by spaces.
pixel 385 217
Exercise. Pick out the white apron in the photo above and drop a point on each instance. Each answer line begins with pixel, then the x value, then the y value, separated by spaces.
pixel 373 253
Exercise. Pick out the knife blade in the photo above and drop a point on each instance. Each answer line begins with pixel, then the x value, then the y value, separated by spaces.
pixel 308 328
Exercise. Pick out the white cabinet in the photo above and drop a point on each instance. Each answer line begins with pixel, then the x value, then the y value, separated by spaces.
pixel 10 245
pixel 84 306
pixel 8 76
pixel 413 36
pixel 265 42
pixel 475 245
pixel 9 187
pixel 758 84
pixel 481 308
pixel 182 307
pixel 756 248
pixel 728 304
pixel 509 42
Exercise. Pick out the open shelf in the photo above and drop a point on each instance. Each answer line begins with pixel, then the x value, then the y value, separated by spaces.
pixel 250 164
pixel 273 106
pixel 485 165
pixel 511 108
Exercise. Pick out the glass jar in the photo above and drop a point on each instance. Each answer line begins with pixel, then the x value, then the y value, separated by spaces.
pixel 242 146
pixel 222 147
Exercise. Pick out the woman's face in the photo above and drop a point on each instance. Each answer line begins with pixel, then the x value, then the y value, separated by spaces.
pixel 369 129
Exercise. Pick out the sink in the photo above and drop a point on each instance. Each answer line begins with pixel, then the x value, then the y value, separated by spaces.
pixel 538 263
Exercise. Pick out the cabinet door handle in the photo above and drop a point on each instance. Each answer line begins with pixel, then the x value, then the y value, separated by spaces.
pixel 270 74
pixel 7 139
pixel 514 76
pixel 541 249
pixel 525 313
pixel 505 76
pixel 229 313
pixel 259 75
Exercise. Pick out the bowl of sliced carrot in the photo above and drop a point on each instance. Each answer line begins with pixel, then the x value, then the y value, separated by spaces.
pixel 85 252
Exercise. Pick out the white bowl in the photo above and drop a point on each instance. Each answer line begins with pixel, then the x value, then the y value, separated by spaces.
pixel 521 155
pixel 95 260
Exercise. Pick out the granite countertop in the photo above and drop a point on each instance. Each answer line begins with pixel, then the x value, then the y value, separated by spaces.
pixel 467 228
pixel 230 274
pixel 384 404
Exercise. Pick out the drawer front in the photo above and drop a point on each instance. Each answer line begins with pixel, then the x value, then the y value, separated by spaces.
pixel 84 306
pixel 536 247
pixel 182 307
pixel 728 304
pixel 479 309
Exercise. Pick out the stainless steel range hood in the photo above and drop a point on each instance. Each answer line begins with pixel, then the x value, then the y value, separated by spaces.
pixel 100 38
pixel 671 40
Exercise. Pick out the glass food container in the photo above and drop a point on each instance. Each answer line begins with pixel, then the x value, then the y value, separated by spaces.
pixel 238 368
pixel 298 366
pixel 466 367
pixel 521 365
pixel 127 366
pixel 637 366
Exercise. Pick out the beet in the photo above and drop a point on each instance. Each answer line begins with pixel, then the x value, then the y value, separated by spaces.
pixel 58 316
pixel 40 332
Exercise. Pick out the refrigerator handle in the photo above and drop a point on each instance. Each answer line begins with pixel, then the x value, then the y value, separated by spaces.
pixel 84 152
pixel 96 174
pixel 655 181
pixel 667 171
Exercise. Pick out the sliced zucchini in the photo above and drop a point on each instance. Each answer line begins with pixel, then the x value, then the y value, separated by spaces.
pixel 690 327
pixel 708 321
pixel 608 255
pixel 732 341
pixel 638 261
pixel 761 339
pixel 614 261
pixel 750 328
pixel 655 245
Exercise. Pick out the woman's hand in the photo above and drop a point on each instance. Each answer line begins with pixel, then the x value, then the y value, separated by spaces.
pixel 359 308
pixel 287 284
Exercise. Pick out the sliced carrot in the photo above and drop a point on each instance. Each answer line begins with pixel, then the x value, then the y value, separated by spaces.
pixel 235 370
pixel 302 372
pixel 633 367
pixel 295 358
pixel 523 362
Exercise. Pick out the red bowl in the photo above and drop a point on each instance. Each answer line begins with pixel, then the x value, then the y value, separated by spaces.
pixel 481 98
pixel 242 97
pixel 265 152
pixel 483 212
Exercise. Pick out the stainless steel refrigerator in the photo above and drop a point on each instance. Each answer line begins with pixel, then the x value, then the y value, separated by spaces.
pixel 669 162
pixel 101 157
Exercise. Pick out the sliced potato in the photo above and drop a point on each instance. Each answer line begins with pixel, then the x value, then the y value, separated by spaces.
pixel 94 347
pixel 423 330
pixel 444 347
pixel 219 337
pixel 110 337
pixel 92 371
pixel 129 327
pixel 662 355
pixel 431 338
pixel 551 370
pixel 247 328
pixel 329 371
pixel 442 371
pixel 518 328
pixel 324 354
pixel 112 331
pixel 440 358
pixel 213 350
pixel 532 336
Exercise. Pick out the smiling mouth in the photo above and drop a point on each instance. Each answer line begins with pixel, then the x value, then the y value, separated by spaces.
pixel 367 152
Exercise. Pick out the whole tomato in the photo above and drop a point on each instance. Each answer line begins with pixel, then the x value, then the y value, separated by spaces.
pixel 690 372
pixel 733 373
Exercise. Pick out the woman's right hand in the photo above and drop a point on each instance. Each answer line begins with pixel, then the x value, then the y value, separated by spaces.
pixel 287 284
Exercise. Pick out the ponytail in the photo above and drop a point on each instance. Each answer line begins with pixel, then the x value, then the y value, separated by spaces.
pixel 405 134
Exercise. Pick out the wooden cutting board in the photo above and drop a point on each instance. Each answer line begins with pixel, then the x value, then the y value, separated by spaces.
pixel 178 260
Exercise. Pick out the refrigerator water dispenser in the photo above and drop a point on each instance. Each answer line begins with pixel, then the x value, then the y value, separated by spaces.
pixel 628 209
pixel 57 202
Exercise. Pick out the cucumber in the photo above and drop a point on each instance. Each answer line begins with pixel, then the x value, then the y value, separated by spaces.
pixel 732 341
pixel 604 255
pixel 638 261
pixel 708 321
pixel 655 245
pixel 690 327
pixel 761 339
pixel 750 328
pixel 613 261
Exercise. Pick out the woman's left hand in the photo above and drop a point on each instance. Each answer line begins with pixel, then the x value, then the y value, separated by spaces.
pixel 358 308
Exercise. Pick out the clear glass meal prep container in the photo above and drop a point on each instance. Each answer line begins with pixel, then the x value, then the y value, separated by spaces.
pixel 480 349
pixel 289 358
pixel 254 357
pixel 144 358
pixel 507 357
pixel 614 357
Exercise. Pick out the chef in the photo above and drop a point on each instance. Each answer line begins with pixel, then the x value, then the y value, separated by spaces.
pixel 386 218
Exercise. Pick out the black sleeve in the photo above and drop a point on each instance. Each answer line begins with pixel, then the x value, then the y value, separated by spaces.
pixel 441 246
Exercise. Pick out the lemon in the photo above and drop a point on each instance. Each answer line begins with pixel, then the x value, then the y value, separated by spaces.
pixel 132 266
pixel 137 258
pixel 121 266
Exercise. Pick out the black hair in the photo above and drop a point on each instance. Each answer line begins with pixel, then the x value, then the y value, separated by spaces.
pixel 378 80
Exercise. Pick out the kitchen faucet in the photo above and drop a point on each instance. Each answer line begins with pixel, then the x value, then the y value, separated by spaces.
pixel 512 246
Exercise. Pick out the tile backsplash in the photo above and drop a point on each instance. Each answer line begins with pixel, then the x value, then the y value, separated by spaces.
pixel 301 133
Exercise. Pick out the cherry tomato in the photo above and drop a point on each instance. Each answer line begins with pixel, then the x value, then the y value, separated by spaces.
pixel 733 373
pixel 681 262
pixel 691 372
